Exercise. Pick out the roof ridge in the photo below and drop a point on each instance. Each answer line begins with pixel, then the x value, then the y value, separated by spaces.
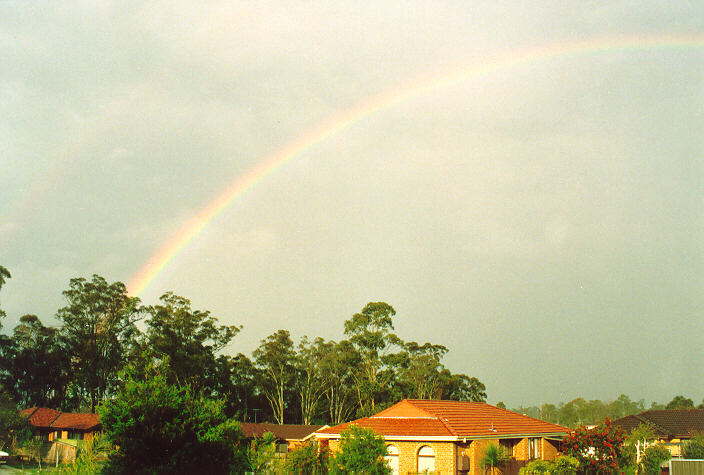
pixel 448 426
pixel 652 423
pixel 431 414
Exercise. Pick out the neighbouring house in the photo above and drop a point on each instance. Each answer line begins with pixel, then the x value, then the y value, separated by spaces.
pixel 450 437
pixel 671 426
pixel 52 425
pixel 288 436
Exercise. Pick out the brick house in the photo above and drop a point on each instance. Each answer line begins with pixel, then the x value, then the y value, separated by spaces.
pixel 670 426
pixel 52 425
pixel 450 437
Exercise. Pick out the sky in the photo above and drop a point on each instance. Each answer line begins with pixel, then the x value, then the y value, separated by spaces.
pixel 533 200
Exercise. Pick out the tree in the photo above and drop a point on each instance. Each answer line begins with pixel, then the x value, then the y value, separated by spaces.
pixel 493 457
pixel 14 429
pixel 634 443
pixel 464 388
pixel 361 451
pixel 653 457
pixel 597 449
pixel 308 459
pixel 4 274
pixel 98 331
pixel 262 452
pixel 33 365
pixel 680 402
pixel 163 428
pixel 370 333
pixel 337 366
pixel 189 338
pixel 422 373
pixel 310 383
pixel 275 359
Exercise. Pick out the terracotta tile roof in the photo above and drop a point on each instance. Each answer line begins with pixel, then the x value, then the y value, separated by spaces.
pixel 46 418
pixel 432 418
pixel 667 423
pixel 40 416
pixel 76 420
pixel 280 431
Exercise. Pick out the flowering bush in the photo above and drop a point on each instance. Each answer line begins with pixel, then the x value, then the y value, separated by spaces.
pixel 597 449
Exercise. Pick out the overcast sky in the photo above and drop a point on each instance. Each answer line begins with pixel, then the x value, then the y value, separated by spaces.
pixel 544 221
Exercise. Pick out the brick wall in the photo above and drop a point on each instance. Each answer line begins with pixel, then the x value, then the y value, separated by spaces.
pixel 446 454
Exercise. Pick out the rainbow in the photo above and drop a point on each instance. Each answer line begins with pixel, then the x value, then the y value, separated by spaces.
pixel 339 122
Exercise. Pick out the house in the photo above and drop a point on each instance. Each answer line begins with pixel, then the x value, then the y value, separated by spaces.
pixel 450 437
pixel 288 436
pixel 52 425
pixel 671 426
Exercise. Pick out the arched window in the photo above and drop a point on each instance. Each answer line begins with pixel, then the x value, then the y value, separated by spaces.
pixel 426 459
pixel 392 458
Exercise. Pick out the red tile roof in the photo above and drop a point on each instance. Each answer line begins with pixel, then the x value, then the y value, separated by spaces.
pixel 76 421
pixel 45 418
pixel 452 419
pixel 280 431
pixel 40 416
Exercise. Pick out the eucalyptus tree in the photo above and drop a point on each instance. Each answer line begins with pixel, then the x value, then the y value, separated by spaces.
pixel 310 382
pixel 338 367
pixel 35 368
pixel 190 339
pixel 371 334
pixel 98 329
pixel 275 358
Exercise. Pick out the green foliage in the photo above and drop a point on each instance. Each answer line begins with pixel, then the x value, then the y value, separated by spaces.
pixel 597 449
pixel 642 434
pixel 14 429
pixel 493 457
pixel 308 459
pixel 694 448
pixel 98 330
pixel 680 402
pixel 275 358
pixel 91 456
pixel 562 465
pixel 35 367
pixel 653 457
pixel 262 452
pixel 161 428
pixel 536 467
pixel 565 465
pixel 189 338
pixel 361 452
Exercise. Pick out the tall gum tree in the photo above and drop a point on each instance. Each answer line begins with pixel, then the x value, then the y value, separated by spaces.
pixel 98 329
pixel 371 334
pixel 275 358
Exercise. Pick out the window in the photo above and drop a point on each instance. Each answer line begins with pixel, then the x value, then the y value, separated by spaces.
pixel 509 446
pixel 426 459
pixel 534 448
pixel 392 458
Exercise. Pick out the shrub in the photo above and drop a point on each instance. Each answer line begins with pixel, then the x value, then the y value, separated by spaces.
pixel 361 452
pixel 598 449
pixel 694 449
pixel 308 459
pixel 162 428
pixel 565 465
pixel 653 457
pixel 536 467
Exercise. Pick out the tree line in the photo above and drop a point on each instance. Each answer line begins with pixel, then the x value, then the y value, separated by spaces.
pixel 580 411
pixel 103 334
